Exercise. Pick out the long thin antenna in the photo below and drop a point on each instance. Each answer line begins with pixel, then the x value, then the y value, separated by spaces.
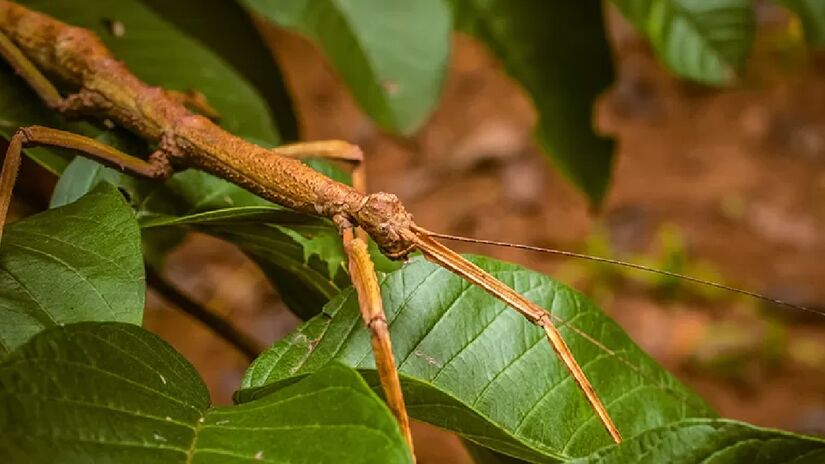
pixel 617 262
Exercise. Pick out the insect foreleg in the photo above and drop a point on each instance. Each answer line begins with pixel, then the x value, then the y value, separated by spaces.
pixel 366 285
pixel 362 273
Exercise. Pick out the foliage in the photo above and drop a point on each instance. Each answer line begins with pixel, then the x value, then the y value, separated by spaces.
pixel 80 262
pixel 707 41
pixel 812 15
pixel 391 54
pixel 137 400
pixel 471 364
pixel 559 53
pixel 717 440
pixel 80 380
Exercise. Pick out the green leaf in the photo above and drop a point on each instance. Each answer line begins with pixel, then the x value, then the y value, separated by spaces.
pixel 110 392
pixel 559 53
pixel 157 52
pixel 228 31
pixel 79 262
pixel 392 55
pixel 707 41
pixel 81 176
pixel 812 15
pixel 698 441
pixel 301 254
pixel 473 365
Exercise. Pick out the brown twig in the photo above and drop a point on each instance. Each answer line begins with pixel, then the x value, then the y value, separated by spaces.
pixel 223 328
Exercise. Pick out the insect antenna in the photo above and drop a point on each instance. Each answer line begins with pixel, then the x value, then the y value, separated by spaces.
pixel 626 264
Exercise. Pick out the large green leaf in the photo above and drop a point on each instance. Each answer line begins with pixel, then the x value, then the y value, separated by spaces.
pixel 227 30
pixel 559 53
pixel 707 40
pixel 391 54
pixel 696 441
pixel 76 263
pixel 812 15
pixel 471 364
pixel 157 52
pixel 111 392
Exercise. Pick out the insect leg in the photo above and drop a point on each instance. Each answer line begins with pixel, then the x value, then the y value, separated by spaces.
pixel 29 72
pixel 365 282
pixel 338 150
pixel 157 167
pixel 445 257
pixel 362 273
pixel 8 176
pixel 196 101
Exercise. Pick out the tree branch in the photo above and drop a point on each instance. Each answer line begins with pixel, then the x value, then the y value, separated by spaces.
pixel 220 326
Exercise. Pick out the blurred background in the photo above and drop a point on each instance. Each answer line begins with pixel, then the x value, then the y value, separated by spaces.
pixel 723 184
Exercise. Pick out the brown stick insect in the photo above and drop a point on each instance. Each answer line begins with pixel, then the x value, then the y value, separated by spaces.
pixel 98 86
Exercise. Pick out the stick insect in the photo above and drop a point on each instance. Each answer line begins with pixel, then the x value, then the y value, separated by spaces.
pixel 98 86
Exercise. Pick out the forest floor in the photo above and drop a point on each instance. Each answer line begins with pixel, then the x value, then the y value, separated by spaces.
pixel 726 184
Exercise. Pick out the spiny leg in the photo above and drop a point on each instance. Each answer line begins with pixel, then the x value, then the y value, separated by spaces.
pixel 157 167
pixel 362 273
pixel 338 150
